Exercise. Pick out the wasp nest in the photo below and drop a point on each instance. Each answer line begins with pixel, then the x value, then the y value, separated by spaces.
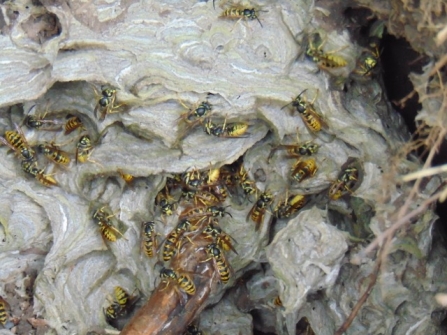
pixel 134 79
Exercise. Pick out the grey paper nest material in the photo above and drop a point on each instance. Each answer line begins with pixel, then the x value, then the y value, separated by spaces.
pixel 159 54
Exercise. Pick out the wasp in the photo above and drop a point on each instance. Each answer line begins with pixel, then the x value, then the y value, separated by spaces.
pixel 236 175
pixel 113 311
pixel 366 65
pixel 194 115
pixel 182 280
pixel 73 122
pixel 128 178
pixel 349 179
pixel 54 154
pixel 237 12
pixel 248 187
pixel 106 228
pixel 35 122
pixel 174 182
pixel 277 301
pixel 258 210
pixel 192 179
pixel 106 102
pixel 219 191
pixel 212 179
pixel 120 305
pixel 222 239
pixel 325 60
pixel 193 330
pixel 240 177
pixel 296 150
pixel 217 211
pixel 206 198
pixel 197 215
pixel 149 238
pixel 173 239
pixel 220 262
pixel 231 130
pixel 313 121
pixel 186 284
pixel 303 327
pixel 164 200
pixel 3 307
pixel 16 141
pixel 121 296
pixel 38 174
pixel 213 176
pixel 368 61
pixel 289 206
pixel 84 149
pixel 304 169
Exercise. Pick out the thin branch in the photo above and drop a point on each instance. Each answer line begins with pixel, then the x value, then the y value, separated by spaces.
pixel 398 224
pixel 439 64
pixel 362 300
pixel 425 173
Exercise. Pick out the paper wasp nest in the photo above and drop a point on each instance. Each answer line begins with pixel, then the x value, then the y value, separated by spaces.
pixel 160 55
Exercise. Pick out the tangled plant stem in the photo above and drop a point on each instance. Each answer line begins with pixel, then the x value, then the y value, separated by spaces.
pixel 403 217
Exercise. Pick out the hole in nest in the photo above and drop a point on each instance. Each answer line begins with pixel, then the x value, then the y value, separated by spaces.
pixel 42 28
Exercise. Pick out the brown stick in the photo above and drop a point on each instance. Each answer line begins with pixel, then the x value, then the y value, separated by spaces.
pixel 362 300
pixel 165 312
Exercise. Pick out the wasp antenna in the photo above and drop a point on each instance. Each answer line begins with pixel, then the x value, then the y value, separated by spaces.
pixel 286 105
pixel 29 110
pixel 259 22
pixel 299 95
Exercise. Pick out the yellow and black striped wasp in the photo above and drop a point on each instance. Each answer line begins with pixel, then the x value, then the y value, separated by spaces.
pixel 349 179
pixel 214 185
pixel 127 177
pixel 102 218
pixel 304 169
pixel 149 238
pixel 38 122
pixel 259 209
pixel 220 262
pixel 193 117
pixel 196 114
pixel 230 130
pixel 72 123
pixel 289 206
pixel 223 240
pixel 3 314
pixel 180 280
pixel 121 304
pixel 16 141
pixel 296 150
pixel 165 201
pixel 106 102
pixel 205 198
pixel 239 13
pixel 173 240
pixel 324 60
pixel 54 154
pixel 368 60
pixel 39 174
pixel 313 121
pixel 84 149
